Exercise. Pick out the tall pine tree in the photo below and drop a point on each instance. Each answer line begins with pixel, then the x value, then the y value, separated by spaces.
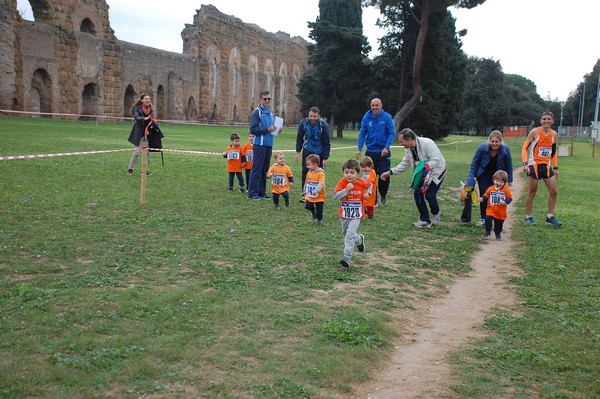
pixel 442 75
pixel 337 80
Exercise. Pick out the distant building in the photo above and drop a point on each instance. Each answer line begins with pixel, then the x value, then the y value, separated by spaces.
pixel 69 61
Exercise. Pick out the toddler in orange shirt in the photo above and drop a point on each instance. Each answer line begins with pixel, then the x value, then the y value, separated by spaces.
pixel 236 160
pixel 498 196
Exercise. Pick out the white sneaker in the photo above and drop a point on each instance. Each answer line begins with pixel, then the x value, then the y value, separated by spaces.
pixel 481 223
pixel 435 219
pixel 422 223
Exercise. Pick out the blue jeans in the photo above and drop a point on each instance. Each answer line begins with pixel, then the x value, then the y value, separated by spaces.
pixel 260 167
pixel 431 197
pixel 484 182
pixel 239 177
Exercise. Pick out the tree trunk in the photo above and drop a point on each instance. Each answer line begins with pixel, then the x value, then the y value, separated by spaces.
pixel 411 104
pixel 340 130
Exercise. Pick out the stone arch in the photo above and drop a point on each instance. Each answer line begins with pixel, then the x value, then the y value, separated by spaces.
pixel 42 10
pixel 90 100
pixel 87 26
pixel 214 115
pixel 190 111
pixel 213 55
pixel 235 66
pixel 160 102
pixel 41 91
pixel 282 98
pixel 253 78
pixel 296 75
pixel 269 73
pixel 128 100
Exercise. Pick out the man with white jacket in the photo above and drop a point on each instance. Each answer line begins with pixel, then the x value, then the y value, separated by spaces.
pixel 422 149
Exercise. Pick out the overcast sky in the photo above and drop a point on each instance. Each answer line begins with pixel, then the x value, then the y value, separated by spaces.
pixel 551 42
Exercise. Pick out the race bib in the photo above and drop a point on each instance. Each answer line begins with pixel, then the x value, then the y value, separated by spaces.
pixel 496 197
pixel 311 189
pixel 545 152
pixel 249 156
pixel 233 155
pixel 352 210
pixel 278 180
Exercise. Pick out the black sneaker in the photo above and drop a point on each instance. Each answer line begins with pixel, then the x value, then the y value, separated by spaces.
pixel 230 189
pixel 361 244
pixel 486 234
pixel 345 262
pixel 242 190
pixel 383 200
pixel 129 172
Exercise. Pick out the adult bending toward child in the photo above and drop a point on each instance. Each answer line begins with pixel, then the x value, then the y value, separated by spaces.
pixel 422 149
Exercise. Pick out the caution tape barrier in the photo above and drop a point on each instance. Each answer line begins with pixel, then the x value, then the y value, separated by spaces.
pixel 65 154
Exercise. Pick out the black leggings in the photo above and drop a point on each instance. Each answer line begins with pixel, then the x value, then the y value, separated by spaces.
pixel 316 208
pixel 285 196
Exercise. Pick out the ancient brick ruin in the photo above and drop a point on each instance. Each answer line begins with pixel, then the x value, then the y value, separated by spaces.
pixel 69 61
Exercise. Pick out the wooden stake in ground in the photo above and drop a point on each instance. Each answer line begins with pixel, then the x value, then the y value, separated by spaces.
pixel 144 170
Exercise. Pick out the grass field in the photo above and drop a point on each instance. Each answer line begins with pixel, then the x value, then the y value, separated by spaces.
pixel 203 293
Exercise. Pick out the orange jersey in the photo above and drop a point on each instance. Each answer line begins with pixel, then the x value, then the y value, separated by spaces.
pixel 540 149
pixel 313 181
pixel 372 177
pixel 280 182
pixel 494 196
pixel 234 158
pixel 352 204
pixel 248 148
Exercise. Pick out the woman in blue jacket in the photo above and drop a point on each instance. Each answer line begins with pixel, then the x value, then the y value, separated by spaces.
pixel 490 157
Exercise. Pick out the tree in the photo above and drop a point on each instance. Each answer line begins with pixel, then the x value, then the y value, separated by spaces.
pixel 443 74
pixel 421 10
pixel 572 109
pixel 525 103
pixel 486 105
pixel 336 83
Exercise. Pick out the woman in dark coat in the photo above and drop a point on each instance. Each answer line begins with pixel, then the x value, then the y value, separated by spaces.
pixel 490 157
pixel 142 115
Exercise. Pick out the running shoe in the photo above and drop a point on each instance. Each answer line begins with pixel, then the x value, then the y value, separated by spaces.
pixel 553 221
pixel 530 221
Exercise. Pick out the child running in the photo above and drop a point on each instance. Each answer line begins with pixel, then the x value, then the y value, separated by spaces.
pixel 498 196
pixel 236 159
pixel 351 191
pixel 314 188
pixel 248 148
pixel 369 174
pixel 281 179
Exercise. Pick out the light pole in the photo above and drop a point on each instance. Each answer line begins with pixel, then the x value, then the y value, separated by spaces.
pixel 562 104
pixel 597 103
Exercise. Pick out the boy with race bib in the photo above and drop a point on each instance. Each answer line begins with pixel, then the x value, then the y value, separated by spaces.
pixel 236 160
pixel 352 192
pixel 281 179
pixel 314 188
pixel 497 196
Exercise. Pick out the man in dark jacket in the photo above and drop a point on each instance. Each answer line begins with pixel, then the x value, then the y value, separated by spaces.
pixel 313 138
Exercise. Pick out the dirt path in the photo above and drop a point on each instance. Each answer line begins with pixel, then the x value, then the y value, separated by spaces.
pixel 419 369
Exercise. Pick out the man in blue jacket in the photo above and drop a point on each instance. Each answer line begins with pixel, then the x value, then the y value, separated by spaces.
pixel 377 132
pixel 313 138
pixel 262 124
